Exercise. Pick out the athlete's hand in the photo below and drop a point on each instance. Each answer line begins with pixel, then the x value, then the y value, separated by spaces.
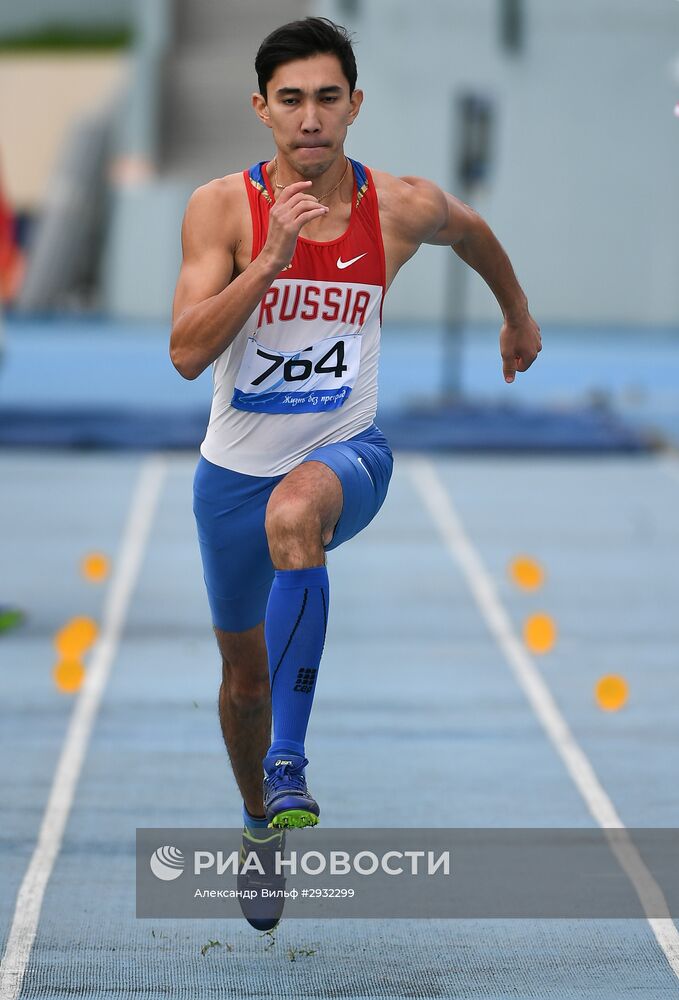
pixel 295 207
pixel 520 344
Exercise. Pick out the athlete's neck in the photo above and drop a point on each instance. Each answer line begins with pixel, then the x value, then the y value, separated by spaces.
pixel 330 185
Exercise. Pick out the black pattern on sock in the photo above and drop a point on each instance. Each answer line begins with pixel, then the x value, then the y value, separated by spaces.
pixel 325 614
pixel 292 634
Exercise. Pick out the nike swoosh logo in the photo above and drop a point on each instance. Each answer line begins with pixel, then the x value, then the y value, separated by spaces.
pixel 347 263
pixel 360 460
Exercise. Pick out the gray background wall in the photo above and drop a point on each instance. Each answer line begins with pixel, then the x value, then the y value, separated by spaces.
pixel 23 15
pixel 584 193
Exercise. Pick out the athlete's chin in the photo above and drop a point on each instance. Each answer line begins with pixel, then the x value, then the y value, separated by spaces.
pixel 310 171
pixel 312 162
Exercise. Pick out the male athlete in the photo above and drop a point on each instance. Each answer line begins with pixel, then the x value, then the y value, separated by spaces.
pixel 285 270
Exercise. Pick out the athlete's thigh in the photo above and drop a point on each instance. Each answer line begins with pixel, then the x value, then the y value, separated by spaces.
pixel 363 466
pixel 230 509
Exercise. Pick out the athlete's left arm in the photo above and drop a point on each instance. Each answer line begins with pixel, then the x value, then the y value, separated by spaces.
pixel 443 220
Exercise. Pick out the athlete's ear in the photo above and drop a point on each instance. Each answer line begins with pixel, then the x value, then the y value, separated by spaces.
pixel 261 109
pixel 356 100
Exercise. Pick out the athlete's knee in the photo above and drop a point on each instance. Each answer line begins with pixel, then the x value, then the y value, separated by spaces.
pixel 246 692
pixel 246 684
pixel 245 666
pixel 292 519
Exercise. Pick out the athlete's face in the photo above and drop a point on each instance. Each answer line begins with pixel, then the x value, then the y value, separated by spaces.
pixel 308 109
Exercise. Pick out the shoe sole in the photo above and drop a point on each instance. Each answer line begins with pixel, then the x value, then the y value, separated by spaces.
pixel 293 819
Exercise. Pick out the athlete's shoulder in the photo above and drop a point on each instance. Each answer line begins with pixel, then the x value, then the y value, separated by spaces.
pixel 218 193
pixel 414 206
pixel 215 209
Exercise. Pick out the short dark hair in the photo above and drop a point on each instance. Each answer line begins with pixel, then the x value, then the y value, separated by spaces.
pixel 301 40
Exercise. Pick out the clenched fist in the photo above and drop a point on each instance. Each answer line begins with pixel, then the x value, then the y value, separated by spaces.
pixel 295 207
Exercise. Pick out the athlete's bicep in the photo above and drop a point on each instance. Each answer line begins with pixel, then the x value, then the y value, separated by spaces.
pixel 207 252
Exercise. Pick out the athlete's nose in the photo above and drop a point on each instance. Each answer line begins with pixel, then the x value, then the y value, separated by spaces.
pixel 310 122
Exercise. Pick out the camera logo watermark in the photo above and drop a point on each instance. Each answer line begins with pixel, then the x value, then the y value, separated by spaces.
pixel 167 863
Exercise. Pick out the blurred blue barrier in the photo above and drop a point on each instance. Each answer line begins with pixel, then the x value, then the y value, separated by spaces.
pixel 93 383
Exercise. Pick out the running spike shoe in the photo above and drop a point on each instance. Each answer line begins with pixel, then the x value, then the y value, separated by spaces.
pixel 261 912
pixel 287 801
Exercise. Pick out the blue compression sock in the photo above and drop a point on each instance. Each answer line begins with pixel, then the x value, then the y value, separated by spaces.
pixel 295 626
pixel 254 822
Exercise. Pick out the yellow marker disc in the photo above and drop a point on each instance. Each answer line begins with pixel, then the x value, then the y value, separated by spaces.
pixel 526 573
pixel 611 692
pixel 539 633
pixel 75 638
pixel 68 675
pixel 95 567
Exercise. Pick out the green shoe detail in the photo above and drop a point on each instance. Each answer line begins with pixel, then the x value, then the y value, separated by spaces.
pixel 293 819
pixel 260 835
pixel 9 617
pixel 275 839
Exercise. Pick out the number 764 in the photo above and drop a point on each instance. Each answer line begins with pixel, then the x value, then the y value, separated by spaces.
pixel 305 364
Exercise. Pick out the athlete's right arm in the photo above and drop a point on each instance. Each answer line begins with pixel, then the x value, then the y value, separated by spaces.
pixel 209 308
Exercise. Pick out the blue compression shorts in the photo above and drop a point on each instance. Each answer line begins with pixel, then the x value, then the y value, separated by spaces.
pixel 230 508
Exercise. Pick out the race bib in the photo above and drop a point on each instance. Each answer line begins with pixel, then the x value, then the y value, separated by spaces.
pixel 308 381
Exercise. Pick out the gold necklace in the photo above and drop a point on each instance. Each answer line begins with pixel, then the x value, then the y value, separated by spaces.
pixel 321 197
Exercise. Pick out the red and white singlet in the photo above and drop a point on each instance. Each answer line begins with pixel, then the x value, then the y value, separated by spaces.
pixel 302 372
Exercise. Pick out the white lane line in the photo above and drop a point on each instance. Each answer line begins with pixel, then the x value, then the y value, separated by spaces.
pixel 440 506
pixel 32 890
